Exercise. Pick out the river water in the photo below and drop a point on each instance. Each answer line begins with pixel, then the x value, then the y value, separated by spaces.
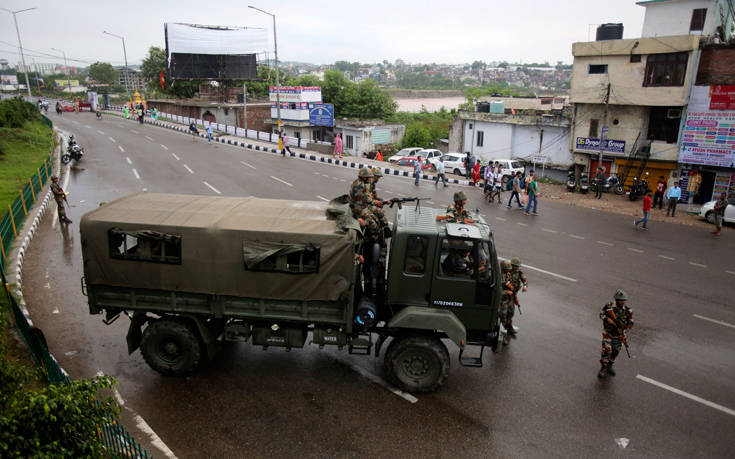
pixel 432 104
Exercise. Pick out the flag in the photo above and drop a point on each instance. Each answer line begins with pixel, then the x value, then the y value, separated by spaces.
pixel 162 80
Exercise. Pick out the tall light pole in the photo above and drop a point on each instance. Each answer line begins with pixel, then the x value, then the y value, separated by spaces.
pixel 125 55
pixel 20 45
pixel 68 77
pixel 278 78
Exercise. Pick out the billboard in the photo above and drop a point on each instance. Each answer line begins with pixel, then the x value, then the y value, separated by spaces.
pixel 206 52
pixel 593 145
pixel 321 114
pixel 708 137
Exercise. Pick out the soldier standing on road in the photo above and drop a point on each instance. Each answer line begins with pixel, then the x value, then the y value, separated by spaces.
pixel 60 198
pixel 456 213
pixel 507 304
pixel 519 283
pixel 617 319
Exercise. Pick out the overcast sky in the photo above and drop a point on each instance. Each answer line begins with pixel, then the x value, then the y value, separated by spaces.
pixel 322 32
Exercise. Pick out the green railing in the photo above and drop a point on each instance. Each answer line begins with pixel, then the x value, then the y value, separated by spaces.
pixel 118 441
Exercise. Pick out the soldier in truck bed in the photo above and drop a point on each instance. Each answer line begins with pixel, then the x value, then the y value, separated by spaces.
pixel 456 213
pixel 360 195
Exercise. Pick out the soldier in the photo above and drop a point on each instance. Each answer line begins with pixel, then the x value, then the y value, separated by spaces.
pixel 360 194
pixel 456 213
pixel 507 303
pixel 518 282
pixel 377 202
pixel 60 198
pixel 617 319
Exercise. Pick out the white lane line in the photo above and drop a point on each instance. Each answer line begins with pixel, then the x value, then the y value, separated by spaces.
pixel 610 244
pixel 137 175
pixel 667 258
pixel 388 191
pixel 149 138
pixel 188 169
pixel 714 320
pixel 322 198
pixel 246 164
pixel 100 132
pixel 522 224
pixel 324 175
pixel 430 202
pixel 501 219
pixel 378 380
pixel 75 121
pixel 335 178
pixel 134 131
pixel 730 272
pixel 112 140
pixel 698 265
pixel 549 230
pixel 687 395
pixel 576 237
pixel 122 150
pixel 633 249
pixel 282 181
pixel 570 279
pixel 164 147
pixel 175 156
pixel 88 126
pixel 316 173
pixel 127 158
pixel 212 188
pixel 342 180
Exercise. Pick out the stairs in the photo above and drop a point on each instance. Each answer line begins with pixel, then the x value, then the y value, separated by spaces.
pixel 637 161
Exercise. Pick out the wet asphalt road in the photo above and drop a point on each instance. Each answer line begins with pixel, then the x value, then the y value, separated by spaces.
pixel 540 398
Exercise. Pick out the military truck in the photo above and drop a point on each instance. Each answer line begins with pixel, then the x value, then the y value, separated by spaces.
pixel 193 271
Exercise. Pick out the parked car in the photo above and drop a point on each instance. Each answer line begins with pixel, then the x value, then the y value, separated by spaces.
pixel 510 167
pixel 406 152
pixel 431 154
pixel 707 211
pixel 411 162
pixel 454 163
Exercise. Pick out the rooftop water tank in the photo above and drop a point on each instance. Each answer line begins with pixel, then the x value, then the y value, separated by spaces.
pixel 611 31
pixel 497 106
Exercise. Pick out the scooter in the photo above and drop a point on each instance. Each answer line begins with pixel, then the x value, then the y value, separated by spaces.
pixel 584 183
pixel 571 181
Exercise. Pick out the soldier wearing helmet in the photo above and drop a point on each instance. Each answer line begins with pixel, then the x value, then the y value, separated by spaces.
pixel 518 283
pixel 456 213
pixel 60 198
pixel 507 305
pixel 617 319
pixel 359 194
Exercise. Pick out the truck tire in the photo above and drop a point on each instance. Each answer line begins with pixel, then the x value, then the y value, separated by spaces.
pixel 171 348
pixel 416 363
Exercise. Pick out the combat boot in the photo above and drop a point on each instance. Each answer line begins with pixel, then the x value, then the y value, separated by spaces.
pixel 610 370
pixel 602 374
pixel 511 330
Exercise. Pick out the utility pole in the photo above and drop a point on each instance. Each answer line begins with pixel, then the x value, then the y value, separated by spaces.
pixel 125 56
pixel 245 108
pixel 20 46
pixel 540 144
pixel 278 78
pixel 68 75
pixel 603 132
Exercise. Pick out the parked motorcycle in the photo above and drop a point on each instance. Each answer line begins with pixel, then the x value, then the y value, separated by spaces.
pixel 584 183
pixel 571 181
pixel 638 188
pixel 612 183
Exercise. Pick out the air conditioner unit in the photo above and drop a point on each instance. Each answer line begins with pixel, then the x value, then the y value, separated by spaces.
pixel 673 113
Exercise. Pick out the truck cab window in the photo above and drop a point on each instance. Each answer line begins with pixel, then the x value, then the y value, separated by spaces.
pixel 485 266
pixel 415 262
pixel 456 259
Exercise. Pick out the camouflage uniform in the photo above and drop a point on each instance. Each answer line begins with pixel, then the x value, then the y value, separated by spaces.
pixel 507 303
pixel 617 319
pixel 59 197
pixel 457 214
pixel 360 195
pixel 377 209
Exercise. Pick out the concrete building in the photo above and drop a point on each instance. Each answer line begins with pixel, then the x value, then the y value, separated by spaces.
pixel 295 102
pixel 258 113
pixel 362 137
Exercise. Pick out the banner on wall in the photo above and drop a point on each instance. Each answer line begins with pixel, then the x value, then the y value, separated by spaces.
pixel 708 137
pixel 593 145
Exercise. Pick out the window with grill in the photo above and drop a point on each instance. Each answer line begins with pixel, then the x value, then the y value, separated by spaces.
pixel 144 245
pixel 666 69
pixel 295 261
pixel 350 141
pixel 480 138
pixel 597 69
pixel 698 17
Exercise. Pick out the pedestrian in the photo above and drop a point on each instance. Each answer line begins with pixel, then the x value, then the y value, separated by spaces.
pixel 488 176
pixel 475 173
pixel 141 114
pixel 417 170
pixel 646 212
pixel 516 190
pixel 471 161
pixel 467 164
pixel 532 190
pixel 617 319
pixel 599 182
pixel 719 212
pixel 658 196
pixel 60 198
pixel 440 173
pixel 209 134
pixel 126 112
pixel 673 196
pixel 338 146
pixel 378 156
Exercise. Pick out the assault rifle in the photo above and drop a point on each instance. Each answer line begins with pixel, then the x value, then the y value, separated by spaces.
pixel 400 202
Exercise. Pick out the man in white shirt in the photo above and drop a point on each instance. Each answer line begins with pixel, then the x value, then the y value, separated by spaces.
pixel 440 172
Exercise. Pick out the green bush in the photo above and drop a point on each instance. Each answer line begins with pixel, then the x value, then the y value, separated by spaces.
pixel 15 112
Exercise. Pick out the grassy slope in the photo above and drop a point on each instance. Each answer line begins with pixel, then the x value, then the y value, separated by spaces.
pixel 22 151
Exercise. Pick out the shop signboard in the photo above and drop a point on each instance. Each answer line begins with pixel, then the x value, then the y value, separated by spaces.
pixel 708 137
pixel 321 114
pixel 722 97
pixel 593 145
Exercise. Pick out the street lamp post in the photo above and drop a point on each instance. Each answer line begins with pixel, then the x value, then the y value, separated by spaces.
pixel 125 55
pixel 68 77
pixel 20 45
pixel 278 78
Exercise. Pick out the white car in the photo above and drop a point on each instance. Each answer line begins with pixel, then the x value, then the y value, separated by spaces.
pixel 707 211
pixel 405 153
pixel 432 155
pixel 454 163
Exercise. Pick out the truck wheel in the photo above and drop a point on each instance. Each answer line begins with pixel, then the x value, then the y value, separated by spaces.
pixel 417 364
pixel 171 348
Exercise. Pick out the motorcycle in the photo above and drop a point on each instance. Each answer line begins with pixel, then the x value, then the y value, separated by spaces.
pixel 571 181
pixel 584 183
pixel 638 188
pixel 73 151
pixel 99 115
pixel 611 183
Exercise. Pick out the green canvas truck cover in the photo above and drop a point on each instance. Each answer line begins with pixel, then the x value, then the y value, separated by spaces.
pixel 223 242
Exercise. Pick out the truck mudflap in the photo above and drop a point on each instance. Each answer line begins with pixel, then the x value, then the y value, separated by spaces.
pixel 135 334
pixel 421 318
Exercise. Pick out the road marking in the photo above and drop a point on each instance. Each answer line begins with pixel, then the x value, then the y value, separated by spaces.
pixel 122 150
pixel 632 249
pixel 687 395
pixel 714 320
pixel 212 188
pixel 134 131
pixel 75 121
pixel 698 265
pixel 335 178
pixel 342 180
pixel 549 230
pixel 324 175
pixel 282 181
pixel 730 272
pixel 667 258
pixel 164 147
pixel 112 140
pixel 377 380
pixel 88 126
pixel 501 219
pixel 522 224
pixel 127 158
pixel 137 175
pixel 570 279
pixel 149 138
pixel 246 164
pixel 188 169
pixel 101 133
pixel 610 244
pixel 177 158
pixel 576 237
pixel 388 191
pixel 316 173
pixel 322 198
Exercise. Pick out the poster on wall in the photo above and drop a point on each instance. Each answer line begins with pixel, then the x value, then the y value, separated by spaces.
pixel 684 185
pixel 708 137
pixel 722 184
pixel 722 97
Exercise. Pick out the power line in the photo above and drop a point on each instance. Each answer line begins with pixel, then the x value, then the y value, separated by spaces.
pixel 45 54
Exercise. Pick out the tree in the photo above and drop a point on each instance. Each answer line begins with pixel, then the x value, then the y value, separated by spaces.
pixel 364 100
pixel 103 72
pixel 417 136
pixel 151 68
